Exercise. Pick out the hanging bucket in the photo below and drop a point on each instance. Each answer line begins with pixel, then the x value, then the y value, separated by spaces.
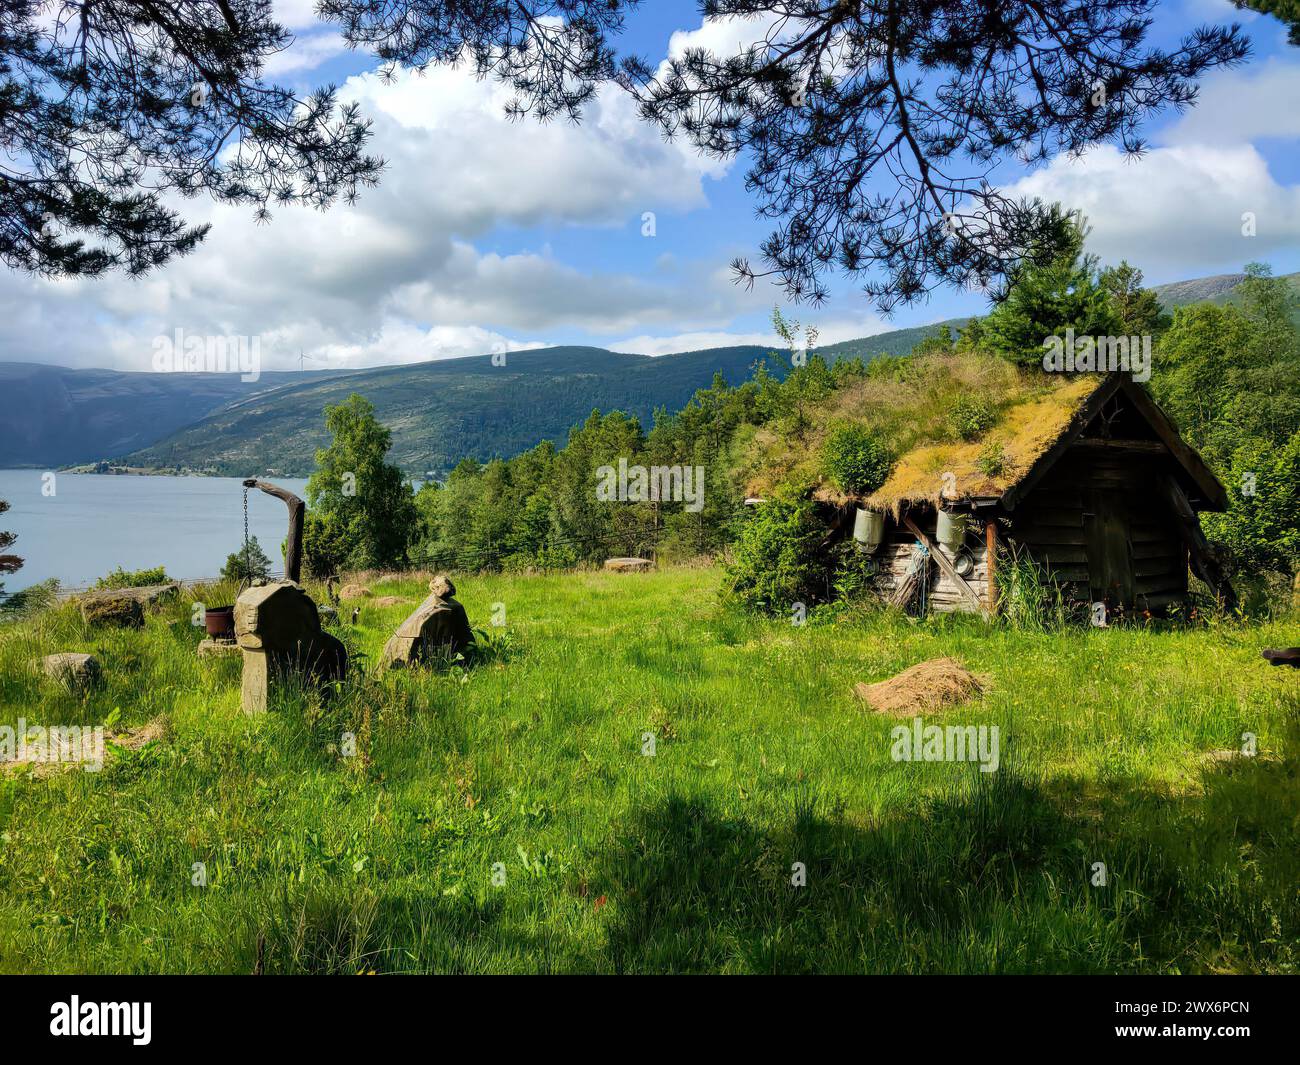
pixel 868 529
pixel 951 531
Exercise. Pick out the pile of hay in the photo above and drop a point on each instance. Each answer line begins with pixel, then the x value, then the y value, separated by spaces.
pixel 929 686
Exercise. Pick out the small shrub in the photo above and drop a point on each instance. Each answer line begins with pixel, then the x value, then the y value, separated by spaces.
pixel 1029 599
pixel 939 341
pixel 239 568
pixel 30 601
pixel 775 561
pixel 854 572
pixel 971 416
pixel 992 461
pixel 140 578
pixel 856 459
pixel 889 368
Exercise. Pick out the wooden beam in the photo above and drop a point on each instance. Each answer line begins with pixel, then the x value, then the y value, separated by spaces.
pixel 1205 563
pixel 991 564
pixel 1201 475
pixel 1121 447
pixel 945 565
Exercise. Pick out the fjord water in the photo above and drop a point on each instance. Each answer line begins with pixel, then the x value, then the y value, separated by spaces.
pixel 93 523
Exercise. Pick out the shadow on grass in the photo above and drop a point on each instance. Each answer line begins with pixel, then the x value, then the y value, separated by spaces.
pixel 996 875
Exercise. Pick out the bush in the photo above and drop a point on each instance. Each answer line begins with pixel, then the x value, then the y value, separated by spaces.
pixel 1262 526
pixel 30 601
pixel 139 578
pixel 324 547
pixel 992 461
pixel 775 562
pixel 971 416
pixel 856 459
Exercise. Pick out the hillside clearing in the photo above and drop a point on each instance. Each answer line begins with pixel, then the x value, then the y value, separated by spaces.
pixel 530 768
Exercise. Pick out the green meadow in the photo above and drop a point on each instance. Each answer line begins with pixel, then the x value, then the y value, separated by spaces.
pixel 505 816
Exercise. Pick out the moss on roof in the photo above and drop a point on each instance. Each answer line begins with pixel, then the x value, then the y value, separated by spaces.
pixel 912 411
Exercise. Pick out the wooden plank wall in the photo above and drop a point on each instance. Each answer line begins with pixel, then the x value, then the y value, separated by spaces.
pixel 1050 523
pixel 895 553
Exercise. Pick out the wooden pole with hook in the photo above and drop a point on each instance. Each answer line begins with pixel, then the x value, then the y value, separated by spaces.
pixel 297 510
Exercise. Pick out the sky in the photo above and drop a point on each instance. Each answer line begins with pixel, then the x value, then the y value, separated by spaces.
pixel 486 235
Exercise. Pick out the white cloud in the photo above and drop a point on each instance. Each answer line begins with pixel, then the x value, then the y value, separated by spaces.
pixel 1178 210
pixel 399 342
pixel 295 14
pixel 830 331
pixel 1241 106
pixel 723 37
pixel 680 342
pixel 398 276
pixel 307 52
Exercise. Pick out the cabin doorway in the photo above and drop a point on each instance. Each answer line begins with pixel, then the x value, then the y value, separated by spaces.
pixel 1106 523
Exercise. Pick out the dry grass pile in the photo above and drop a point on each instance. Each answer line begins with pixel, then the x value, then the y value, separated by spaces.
pixel 926 687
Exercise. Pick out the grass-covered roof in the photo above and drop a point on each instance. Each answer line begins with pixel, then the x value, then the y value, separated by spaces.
pixel 912 406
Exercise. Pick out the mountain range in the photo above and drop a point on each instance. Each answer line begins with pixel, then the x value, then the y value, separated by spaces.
pixel 439 412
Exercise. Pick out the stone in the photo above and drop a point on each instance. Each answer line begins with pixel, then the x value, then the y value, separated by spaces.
pixel 147 595
pixel 328 615
pixel 277 626
pixel 355 591
pixel 437 630
pixel 387 600
pixel 124 611
pixel 78 672
pixel 629 565
pixel 218 649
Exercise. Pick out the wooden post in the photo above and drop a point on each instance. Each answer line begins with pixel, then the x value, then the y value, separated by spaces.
pixel 297 508
pixel 1205 563
pixel 991 564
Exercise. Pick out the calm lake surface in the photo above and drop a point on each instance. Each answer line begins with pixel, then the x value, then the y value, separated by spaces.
pixel 94 523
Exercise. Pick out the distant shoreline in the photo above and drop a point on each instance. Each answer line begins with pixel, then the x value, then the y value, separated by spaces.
pixel 100 469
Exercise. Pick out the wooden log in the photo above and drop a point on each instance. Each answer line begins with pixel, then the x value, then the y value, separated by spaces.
pixel 1049 517
pixel 297 509
pixel 1169 548
pixel 1283 656
pixel 906 589
pixel 1054 555
pixel 1120 448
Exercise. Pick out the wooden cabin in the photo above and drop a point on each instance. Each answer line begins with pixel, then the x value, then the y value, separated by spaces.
pixel 1107 508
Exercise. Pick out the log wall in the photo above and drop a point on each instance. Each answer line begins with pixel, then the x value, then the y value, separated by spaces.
pixel 1097 514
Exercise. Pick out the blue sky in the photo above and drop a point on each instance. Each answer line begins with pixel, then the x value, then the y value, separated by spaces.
pixel 489 236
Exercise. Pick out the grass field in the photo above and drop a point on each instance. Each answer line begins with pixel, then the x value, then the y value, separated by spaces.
pixel 530 765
